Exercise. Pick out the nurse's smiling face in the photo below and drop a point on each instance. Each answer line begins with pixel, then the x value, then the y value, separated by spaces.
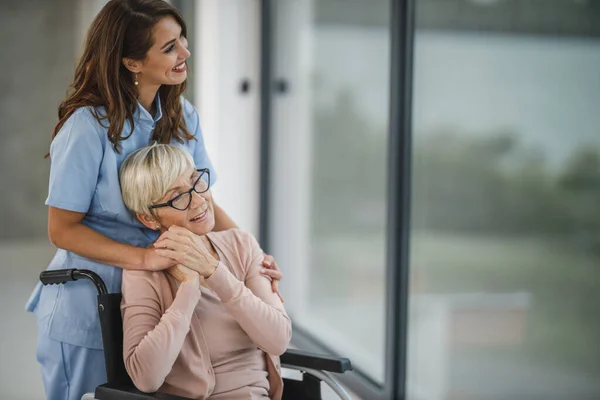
pixel 164 63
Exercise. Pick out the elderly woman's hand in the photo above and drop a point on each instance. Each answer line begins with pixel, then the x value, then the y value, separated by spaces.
pixel 272 270
pixel 187 248
pixel 185 274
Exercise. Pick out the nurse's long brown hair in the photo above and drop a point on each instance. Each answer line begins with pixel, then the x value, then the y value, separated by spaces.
pixel 123 28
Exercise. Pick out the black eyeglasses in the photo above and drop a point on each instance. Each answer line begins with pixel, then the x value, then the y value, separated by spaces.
pixel 183 200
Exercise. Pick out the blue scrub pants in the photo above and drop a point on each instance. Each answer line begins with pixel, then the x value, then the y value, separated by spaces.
pixel 69 371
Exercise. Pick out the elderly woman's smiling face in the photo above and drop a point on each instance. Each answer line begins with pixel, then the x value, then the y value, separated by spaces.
pixel 190 204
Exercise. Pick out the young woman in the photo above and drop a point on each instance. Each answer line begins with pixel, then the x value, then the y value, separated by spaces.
pixel 126 92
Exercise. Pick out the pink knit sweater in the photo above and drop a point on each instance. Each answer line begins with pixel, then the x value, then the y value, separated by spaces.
pixel 220 342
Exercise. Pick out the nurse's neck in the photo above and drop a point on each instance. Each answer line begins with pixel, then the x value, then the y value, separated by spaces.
pixel 146 96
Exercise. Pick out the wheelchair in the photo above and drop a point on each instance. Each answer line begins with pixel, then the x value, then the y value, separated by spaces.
pixel 314 368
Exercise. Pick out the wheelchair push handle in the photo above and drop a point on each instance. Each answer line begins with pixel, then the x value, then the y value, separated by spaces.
pixel 61 276
pixel 57 276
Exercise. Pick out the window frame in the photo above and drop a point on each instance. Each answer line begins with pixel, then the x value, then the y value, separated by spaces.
pixel 402 29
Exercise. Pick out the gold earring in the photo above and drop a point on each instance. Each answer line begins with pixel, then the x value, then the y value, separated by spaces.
pixel 135 80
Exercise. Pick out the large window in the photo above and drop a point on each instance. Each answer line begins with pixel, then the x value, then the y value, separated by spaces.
pixel 505 227
pixel 434 187
pixel 328 171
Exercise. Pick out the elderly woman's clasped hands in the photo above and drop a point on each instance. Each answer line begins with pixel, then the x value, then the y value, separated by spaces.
pixel 188 249
pixel 192 252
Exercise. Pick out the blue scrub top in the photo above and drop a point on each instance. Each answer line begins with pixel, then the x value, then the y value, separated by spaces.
pixel 84 178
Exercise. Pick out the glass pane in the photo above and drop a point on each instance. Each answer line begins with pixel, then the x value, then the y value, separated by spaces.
pixel 505 249
pixel 331 61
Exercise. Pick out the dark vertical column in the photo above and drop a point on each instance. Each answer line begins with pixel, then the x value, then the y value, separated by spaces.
pixel 399 193
pixel 266 22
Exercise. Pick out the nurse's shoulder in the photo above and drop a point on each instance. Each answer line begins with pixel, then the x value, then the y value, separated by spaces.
pixel 190 115
pixel 86 125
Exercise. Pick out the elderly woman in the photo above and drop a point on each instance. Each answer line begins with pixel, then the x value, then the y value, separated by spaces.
pixel 211 326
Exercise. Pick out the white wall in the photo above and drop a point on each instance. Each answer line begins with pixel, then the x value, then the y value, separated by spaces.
pixel 227 51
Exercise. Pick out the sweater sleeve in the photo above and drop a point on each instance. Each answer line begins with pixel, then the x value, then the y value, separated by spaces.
pixel 152 340
pixel 255 307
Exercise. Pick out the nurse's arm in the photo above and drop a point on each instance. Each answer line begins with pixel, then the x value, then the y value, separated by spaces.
pixel 66 231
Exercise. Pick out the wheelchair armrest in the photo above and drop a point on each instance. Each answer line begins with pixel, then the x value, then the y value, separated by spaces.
pixel 304 359
pixel 110 391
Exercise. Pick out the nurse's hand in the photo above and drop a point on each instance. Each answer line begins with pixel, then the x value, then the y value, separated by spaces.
pixel 153 261
pixel 272 271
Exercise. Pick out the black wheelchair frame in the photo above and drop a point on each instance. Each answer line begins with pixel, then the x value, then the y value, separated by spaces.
pixel 314 368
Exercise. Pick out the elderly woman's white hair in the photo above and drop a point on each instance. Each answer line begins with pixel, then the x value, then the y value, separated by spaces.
pixel 148 173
